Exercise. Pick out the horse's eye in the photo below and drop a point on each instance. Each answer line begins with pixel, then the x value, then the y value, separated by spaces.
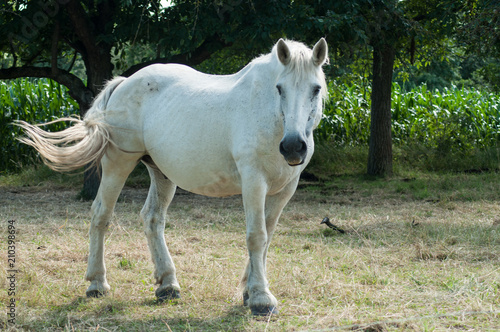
pixel 279 89
pixel 316 90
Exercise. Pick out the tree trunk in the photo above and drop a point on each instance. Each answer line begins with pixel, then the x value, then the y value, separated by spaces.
pixel 91 182
pixel 97 58
pixel 380 148
pixel 99 70
pixel 91 178
pixel 97 79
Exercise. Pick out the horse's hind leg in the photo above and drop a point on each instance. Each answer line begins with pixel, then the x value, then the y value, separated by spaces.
pixel 154 214
pixel 115 171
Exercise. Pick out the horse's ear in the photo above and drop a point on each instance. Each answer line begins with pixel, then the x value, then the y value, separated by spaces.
pixel 320 52
pixel 283 52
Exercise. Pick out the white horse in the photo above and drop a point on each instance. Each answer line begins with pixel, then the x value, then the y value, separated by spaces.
pixel 249 133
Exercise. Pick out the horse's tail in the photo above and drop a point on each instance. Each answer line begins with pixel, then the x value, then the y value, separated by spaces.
pixel 81 145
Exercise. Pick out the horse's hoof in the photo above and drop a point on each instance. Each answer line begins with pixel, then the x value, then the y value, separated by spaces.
pixel 95 293
pixel 246 297
pixel 166 294
pixel 264 310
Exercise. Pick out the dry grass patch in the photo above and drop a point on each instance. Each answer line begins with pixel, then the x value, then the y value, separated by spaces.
pixel 402 264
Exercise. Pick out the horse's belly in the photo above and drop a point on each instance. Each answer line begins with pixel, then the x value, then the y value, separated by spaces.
pixel 214 185
pixel 223 186
pixel 216 177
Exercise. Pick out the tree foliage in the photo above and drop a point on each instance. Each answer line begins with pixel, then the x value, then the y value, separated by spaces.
pixel 51 38
pixel 393 34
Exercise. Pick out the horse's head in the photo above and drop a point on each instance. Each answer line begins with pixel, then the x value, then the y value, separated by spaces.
pixel 301 88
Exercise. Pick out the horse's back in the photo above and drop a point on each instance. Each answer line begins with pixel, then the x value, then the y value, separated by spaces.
pixel 185 120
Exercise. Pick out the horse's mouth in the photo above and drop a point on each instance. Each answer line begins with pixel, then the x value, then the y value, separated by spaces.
pixel 294 163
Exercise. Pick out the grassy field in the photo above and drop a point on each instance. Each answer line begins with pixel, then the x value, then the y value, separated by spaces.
pixel 420 253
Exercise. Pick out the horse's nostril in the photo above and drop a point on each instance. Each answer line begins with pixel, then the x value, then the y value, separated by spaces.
pixel 303 147
pixel 284 148
pixel 296 145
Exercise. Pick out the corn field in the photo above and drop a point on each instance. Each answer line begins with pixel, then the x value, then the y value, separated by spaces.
pixel 34 101
pixel 451 120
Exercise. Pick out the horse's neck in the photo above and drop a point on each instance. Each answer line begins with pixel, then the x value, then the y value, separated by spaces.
pixel 260 76
pixel 264 67
pixel 257 87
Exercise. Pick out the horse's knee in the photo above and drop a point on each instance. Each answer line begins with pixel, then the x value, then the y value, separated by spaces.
pixel 256 240
pixel 150 227
pixel 99 225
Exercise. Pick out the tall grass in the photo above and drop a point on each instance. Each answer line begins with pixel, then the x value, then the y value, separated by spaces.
pixel 34 101
pixel 346 120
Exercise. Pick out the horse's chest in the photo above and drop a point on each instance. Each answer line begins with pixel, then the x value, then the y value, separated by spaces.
pixel 279 179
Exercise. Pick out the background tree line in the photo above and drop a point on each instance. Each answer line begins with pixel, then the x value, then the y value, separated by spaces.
pixel 81 44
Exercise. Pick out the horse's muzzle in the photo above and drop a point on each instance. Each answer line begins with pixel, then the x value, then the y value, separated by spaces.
pixel 294 149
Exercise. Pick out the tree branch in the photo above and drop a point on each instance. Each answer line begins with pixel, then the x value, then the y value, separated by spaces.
pixel 77 89
pixel 202 53
pixel 53 51
pixel 81 26
pixel 72 61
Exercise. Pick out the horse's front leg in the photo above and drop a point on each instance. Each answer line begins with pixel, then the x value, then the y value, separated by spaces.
pixel 274 205
pixel 260 299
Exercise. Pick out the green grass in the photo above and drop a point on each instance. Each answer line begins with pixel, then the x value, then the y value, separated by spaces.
pixel 331 160
pixel 339 173
pixel 429 187
pixel 40 176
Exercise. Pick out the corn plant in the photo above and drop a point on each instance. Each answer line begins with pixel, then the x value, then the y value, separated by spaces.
pixel 346 119
pixel 449 120
pixel 34 101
